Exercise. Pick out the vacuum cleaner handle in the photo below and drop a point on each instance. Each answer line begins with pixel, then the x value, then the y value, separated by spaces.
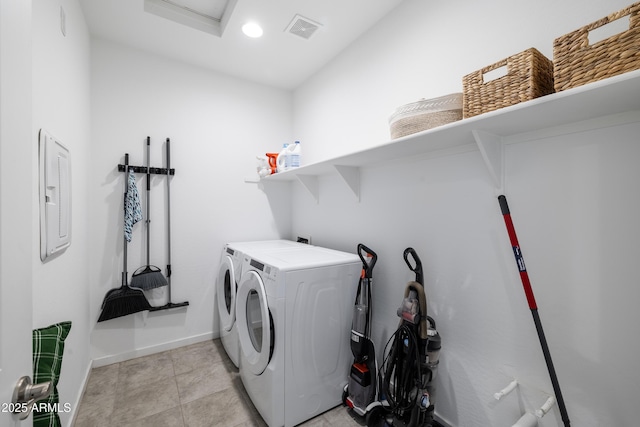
pixel 418 264
pixel 366 265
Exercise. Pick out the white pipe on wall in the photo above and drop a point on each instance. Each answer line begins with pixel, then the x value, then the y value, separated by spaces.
pixel 527 420
pixel 508 389
pixel 546 407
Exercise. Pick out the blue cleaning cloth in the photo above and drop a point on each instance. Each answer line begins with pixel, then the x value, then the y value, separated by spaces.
pixel 132 210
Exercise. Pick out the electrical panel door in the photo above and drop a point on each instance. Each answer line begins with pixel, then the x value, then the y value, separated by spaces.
pixel 55 196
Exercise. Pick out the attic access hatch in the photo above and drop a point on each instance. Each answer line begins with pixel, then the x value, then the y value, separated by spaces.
pixel 210 16
pixel 55 196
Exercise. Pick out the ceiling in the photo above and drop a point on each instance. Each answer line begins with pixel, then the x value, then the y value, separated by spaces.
pixel 278 58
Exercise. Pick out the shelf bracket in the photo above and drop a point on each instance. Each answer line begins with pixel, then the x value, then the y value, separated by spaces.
pixel 310 182
pixel 490 146
pixel 351 176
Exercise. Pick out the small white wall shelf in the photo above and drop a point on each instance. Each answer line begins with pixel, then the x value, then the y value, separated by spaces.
pixel 595 105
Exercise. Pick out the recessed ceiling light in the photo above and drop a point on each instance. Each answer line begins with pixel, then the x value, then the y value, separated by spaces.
pixel 251 29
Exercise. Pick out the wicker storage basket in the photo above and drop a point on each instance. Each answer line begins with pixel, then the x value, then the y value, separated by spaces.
pixel 425 114
pixel 529 75
pixel 577 62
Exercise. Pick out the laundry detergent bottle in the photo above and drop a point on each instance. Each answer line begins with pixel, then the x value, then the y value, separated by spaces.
pixel 295 158
pixel 283 160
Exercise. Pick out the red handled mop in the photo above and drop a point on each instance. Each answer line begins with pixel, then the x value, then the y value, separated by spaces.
pixel 526 284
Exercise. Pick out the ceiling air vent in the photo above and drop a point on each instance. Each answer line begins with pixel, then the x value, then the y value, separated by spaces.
pixel 302 27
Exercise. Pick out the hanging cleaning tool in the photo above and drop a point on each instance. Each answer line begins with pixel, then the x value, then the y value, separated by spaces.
pixel 126 300
pixel 148 276
pixel 528 291
pixel 169 304
pixel 361 390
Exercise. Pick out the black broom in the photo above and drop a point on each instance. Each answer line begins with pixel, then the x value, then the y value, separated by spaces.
pixel 113 291
pixel 123 300
pixel 148 276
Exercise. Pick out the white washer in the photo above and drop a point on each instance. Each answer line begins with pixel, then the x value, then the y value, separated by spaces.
pixel 229 274
pixel 293 320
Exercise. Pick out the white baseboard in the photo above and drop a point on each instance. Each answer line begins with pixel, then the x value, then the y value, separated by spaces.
pixel 121 357
pixel 76 405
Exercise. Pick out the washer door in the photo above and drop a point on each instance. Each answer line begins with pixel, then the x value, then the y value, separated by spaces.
pixel 254 325
pixel 226 293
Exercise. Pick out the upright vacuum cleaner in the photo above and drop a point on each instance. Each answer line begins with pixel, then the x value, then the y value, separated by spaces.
pixel 408 372
pixel 360 393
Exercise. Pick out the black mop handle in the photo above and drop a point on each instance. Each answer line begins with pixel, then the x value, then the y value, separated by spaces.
pixel 168 220
pixel 524 276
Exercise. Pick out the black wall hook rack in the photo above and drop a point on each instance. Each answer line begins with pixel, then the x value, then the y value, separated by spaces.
pixel 143 169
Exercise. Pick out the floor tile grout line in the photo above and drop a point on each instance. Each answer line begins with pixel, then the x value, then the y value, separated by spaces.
pixel 115 392
pixel 184 421
pixel 236 387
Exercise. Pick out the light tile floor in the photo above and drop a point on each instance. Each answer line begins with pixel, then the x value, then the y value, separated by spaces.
pixel 192 386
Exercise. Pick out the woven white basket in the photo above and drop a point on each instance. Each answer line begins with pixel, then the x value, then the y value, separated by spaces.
pixel 425 114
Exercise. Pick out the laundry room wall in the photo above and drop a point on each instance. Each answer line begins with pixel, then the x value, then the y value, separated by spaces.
pixel 61 104
pixel 422 50
pixel 217 125
pixel 571 192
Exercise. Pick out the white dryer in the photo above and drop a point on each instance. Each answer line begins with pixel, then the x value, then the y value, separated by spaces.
pixel 229 274
pixel 293 320
pixel 226 285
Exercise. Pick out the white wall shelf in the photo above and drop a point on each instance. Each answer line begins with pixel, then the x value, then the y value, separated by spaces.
pixel 598 104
